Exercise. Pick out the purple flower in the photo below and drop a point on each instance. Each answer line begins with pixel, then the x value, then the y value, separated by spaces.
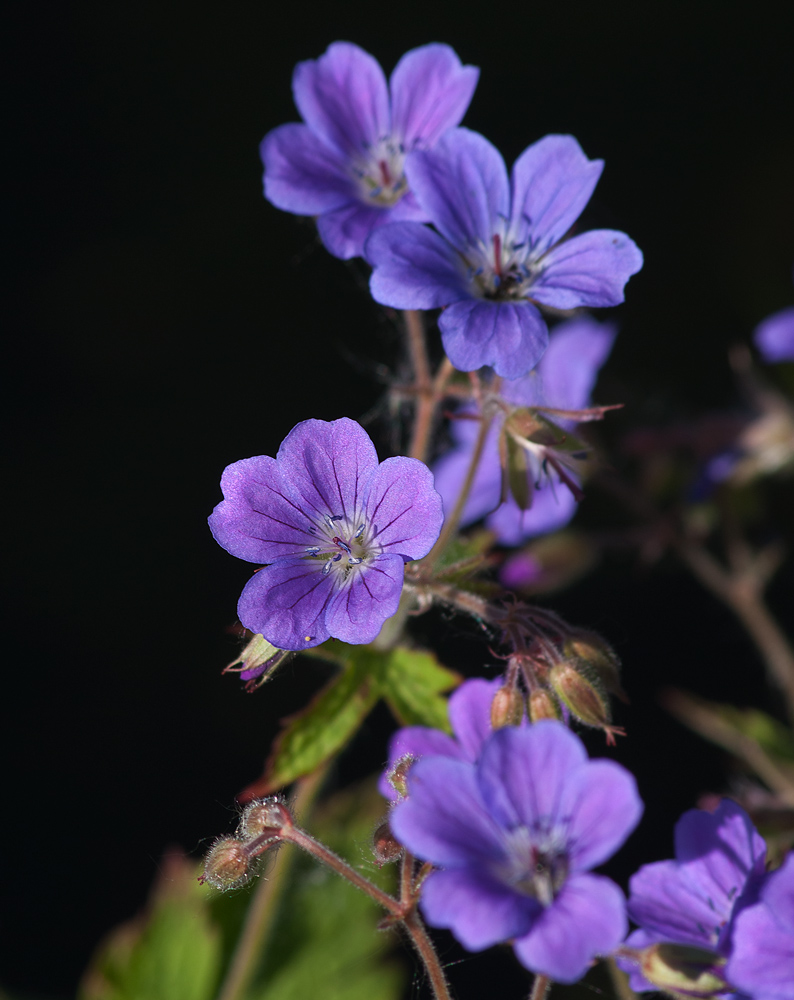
pixel 718 870
pixel 774 337
pixel 335 527
pixel 564 380
pixel 346 164
pixel 762 958
pixel 515 836
pixel 470 716
pixel 501 250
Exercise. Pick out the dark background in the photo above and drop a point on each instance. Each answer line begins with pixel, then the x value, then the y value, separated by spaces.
pixel 166 321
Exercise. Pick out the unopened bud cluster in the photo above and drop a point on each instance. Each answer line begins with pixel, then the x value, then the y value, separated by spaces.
pixel 232 861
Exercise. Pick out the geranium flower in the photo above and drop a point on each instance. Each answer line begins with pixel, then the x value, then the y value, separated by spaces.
pixel 346 164
pixel 500 250
pixel 774 337
pixel 335 528
pixel 761 963
pixel 693 900
pixel 470 717
pixel 515 836
pixel 563 380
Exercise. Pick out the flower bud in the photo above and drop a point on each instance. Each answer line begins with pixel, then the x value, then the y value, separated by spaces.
pixel 263 817
pixel 397 776
pixel 227 866
pixel 599 656
pixel 543 705
pixel 385 845
pixel 580 689
pixel 257 662
pixel 682 970
pixel 507 707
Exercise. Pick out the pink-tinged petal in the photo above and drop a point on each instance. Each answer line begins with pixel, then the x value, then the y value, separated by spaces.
pixel 552 508
pixel 259 519
pixel 327 464
pixel 596 832
pixel 470 714
pixel 414 268
pixel 403 511
pixel 587 919
pixel 524 774
pixel 343 98
pixel 451 469
pixel 302 174
pixel 589 270
pixel 462 185
pixel 418 741
pixel 286 602
pixel 344 230
pixel 552 182
pixel 774 337
pixel 667 905
pixel 509 336
pixel 430 92
pixel 357 610
pixel 568 370
pixel 443 819
pixel 479 910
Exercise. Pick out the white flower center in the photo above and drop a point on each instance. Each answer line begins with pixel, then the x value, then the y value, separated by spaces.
pixel 503 269
pixel 343 544
pixel 380 173
pixel 536 862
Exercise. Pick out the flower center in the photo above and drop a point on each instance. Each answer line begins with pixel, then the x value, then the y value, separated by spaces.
pixel 380 173
pixel 536 863
pixel 502 269
pixel 343 544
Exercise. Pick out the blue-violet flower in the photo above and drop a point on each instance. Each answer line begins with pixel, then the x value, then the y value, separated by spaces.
pixel 515 836
pixel 694 900
pixel 500 250
pixel 335 528
pixel 563 380
pixel 346 164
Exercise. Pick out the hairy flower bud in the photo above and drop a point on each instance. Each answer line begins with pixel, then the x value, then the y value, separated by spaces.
pixel 385 845
pixel 227 866
pixel 257 662
pixel 591 649
pixel 581 690
pixel 543 705
pixel 263 817
pixel 398 774
pixel 507 707
pixel 683 971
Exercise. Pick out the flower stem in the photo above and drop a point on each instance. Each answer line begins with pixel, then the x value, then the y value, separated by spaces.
pixel 423 384
pixel 264 905
pixel 540 988
pixel 424 946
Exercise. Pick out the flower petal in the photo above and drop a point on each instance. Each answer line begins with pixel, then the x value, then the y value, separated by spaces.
pixel 259 519
pixel 430 92
pixel 462 185
pixel 524 774
pixel 403 511
pixel 552 182
pixel 586 919
pixel 342 97
pixel 509 336
pixel 552 508
pixel 286 602
pixel 328 464
pixel 414 268
pixel 774 337
pixel 303 174
pixel 451 469
pixel 470 714
pixel 443 820
pixel 344 230
pixel 589 270
pixel 479 910
pixel 357 610
pixel 606 807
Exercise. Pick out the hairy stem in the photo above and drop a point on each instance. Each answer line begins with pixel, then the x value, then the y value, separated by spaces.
pixel 424 947
pixel 540 987
pixel 264 906
pixel 620 980
pixel 423 384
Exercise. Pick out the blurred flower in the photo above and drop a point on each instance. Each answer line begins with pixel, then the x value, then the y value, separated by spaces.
pixel 694 900
pixel 501 249
pixel 515 836
pixel 774 336
pixel 762 957
pixel 346 163
pixel 335 527
pixel 563 380
pixel 470 717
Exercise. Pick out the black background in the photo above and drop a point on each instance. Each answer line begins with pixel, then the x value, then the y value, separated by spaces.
pixel 166 321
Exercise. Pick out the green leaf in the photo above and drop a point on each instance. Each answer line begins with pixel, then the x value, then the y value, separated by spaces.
pixel 325 942
pixel 170 953
pixel 770 734
pixel 411 682
pixel 329 721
